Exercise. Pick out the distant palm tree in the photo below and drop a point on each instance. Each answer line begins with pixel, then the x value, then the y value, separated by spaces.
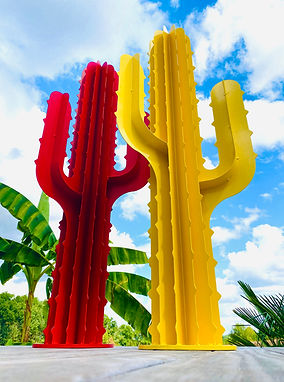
pixel 266 316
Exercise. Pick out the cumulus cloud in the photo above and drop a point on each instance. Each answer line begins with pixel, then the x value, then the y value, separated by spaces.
pixel 120 239
pixel 260 264
pixel 175 3
pixel 240 225
pixel 19 287
pixel 254 29
pixel 120 152
pixel 262 259
pixel 136 203
pixel 35 44
pixel 266 195
pixel 265 119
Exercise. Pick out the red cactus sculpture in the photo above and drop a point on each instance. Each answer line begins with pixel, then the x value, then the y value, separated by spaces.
pixel 86 196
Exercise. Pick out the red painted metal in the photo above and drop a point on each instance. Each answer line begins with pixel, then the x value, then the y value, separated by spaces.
pixel 78 296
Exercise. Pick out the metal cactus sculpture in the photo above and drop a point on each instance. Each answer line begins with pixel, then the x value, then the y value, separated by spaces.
pixel 185 313
pixel 86 196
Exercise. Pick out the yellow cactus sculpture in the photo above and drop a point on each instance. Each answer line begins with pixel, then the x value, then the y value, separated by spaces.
pixel 185 313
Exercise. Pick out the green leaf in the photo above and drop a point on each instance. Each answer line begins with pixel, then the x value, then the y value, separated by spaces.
pixel 267 315
pixel 13 252
pixel 127 307
pixel 7 271
pixel 119 255
pixel 131 282
pixel 236 339
pixel 43 206
pixel 48 287
pixel 31 221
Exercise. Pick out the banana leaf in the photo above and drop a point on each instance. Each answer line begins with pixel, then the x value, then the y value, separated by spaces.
pixel 127 307
pixel 31 221
pixel 119 255
pixel 13 252
pixel 131 282
pixel 48 287
pixel 7 271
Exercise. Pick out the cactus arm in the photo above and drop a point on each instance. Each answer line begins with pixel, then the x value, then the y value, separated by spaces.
pixel 133 177
pixel 237 158
pixel 131 109
pixel 50 162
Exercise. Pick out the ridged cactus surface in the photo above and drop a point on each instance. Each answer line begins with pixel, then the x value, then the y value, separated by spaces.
pixel 78 296
pixel 185 313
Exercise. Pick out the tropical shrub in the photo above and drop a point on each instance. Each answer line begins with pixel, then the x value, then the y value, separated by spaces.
pixel 266 316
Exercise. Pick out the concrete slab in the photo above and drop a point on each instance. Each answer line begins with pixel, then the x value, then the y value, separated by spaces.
pixel 26 364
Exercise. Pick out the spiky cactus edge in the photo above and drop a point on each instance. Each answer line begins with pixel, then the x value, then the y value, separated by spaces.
pixel 185 313
pixel 86 196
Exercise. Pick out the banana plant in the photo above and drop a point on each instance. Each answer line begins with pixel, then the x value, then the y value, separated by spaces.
pixel 35 256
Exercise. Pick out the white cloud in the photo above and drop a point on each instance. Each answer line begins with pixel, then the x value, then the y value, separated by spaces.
pixel 205 113
pixel 262 258
pixel 265 119
pixel 21 132
pixel 175 3
pixel 255 28
pixel 240 225
pixel 19 287
pixel 260 265
pixel 136 203
pixel 208 163
pixel 35 44
pixel 266 195
pixel 120 239
pixel 120 152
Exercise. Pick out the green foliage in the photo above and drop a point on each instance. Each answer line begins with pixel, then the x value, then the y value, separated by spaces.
pixel 242 335
pixel 36 251
pixel 7 271
pixel 13 252
pixel 131 282
pixel 128 307
pixel 119 255
pixel 31 221
pixel 123 335
pixel 266 316
pixel 12 317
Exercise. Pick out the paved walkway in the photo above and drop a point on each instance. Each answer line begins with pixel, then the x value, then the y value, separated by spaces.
pixel 25 364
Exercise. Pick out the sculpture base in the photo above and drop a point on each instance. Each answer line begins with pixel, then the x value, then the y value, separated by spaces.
pixel 73 346
pixel 187 347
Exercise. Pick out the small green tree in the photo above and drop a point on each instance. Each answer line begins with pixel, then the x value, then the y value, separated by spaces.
pixel 123 335
pixel 12 316
pixel 266 316
pixel 35 254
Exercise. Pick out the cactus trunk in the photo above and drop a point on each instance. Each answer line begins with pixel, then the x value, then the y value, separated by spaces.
pixel 185 313
pixel 86 196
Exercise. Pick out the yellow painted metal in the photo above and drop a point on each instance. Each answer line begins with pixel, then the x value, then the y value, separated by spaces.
pixel 185 313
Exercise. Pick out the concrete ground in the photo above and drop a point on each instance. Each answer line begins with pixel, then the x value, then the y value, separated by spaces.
pixel 26 364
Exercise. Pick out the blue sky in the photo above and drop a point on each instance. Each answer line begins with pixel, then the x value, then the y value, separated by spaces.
pixel 44 46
